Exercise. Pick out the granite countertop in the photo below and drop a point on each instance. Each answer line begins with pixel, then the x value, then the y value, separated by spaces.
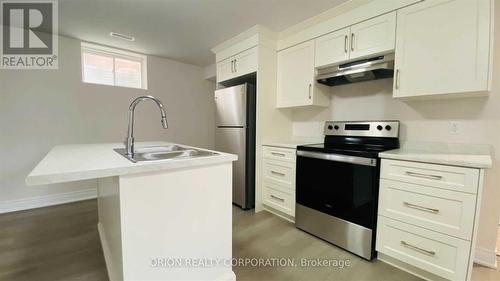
pixel 66 163
pixel 464 155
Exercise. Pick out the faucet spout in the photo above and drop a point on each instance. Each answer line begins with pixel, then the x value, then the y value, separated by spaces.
pixel 129 142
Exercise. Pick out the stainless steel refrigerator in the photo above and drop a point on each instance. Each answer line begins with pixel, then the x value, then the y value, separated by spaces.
pixel 235 133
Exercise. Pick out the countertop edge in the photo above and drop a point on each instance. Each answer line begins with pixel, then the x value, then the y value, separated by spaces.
pixel 486 164
pixel 34 180
pixel 289 145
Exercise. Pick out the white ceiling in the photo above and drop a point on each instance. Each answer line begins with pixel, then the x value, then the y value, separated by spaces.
pixel 182 30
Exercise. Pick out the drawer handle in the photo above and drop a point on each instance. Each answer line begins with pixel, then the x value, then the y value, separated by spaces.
pixel 422 208
pixel 278 173
pixel 277 198
pixel 278 154
pixel 408 245
pixel 426 176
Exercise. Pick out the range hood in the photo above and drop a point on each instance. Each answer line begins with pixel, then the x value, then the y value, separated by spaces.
pixel 378 67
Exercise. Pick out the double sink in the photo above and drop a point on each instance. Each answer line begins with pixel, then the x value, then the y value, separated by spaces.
pixel 166 152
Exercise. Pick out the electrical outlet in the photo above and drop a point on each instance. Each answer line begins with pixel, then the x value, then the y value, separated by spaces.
pixel 455 128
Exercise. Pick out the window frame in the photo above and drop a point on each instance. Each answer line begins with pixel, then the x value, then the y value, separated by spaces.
pixel 114 53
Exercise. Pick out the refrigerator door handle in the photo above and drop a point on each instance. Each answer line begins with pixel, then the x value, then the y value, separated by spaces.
pixel 229 127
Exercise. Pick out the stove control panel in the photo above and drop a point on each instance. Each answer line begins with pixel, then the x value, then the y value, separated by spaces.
pixel 386 129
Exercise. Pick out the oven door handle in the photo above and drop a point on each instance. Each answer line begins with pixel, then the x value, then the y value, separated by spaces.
pixel 339 158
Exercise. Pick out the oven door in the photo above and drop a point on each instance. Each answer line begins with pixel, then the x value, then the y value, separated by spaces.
pixel 339 185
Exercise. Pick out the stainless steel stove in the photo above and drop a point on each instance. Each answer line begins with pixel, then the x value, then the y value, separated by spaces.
pixel 337 183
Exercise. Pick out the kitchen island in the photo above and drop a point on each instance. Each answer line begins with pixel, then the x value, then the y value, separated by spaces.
pixel 158 220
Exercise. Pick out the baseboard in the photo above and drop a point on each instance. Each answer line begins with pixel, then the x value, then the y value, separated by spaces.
pixel 279 213
pixel 485 257
pixel 47 200
pixel 228 276
pixel 409 268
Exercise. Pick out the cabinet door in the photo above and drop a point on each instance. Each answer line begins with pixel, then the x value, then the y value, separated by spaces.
pixel 442 47
pixel 246 62
pixel 225 70
pixel 332 48
pixel 374 36
pixel 295 75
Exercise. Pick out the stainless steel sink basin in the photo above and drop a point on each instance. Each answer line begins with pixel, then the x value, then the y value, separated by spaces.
pixel 167 152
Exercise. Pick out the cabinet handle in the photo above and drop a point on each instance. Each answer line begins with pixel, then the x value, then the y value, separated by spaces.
pixel 345 43
pixel 352 41
pixel 278 173
pixel 408 245
pixel 277 198
pixel 310 85
pixel 422 208
pixel 425 176
pixel 397 78
pixel 235 66
pixel 278 154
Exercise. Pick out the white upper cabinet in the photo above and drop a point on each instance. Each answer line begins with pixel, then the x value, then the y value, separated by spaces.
pixel 296 84
pixel 237 65
pixel 225 70
pixel 374 36
pixel 443 47
pixel 332 48
pixel 245 62
pixel 367 38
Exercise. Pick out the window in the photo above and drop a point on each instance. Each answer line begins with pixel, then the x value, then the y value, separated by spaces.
pixel 108 66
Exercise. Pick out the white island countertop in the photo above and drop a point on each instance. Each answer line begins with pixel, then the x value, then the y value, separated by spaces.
pixel 464 155
pixel 66 163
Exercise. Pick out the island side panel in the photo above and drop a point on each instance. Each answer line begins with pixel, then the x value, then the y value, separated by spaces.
pixel 177 214
pixel 110 226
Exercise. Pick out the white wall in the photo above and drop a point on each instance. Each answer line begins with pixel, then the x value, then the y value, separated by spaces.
pixel 40 109
pixel 426 121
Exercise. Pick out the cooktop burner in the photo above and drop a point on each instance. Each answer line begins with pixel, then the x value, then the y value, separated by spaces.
pixel 358 138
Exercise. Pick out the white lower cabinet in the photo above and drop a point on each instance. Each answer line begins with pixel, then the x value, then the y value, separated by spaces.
pixel 280 173
pixel 279 198
pixel 448 212
pixel 427 217
pixel 278 184
pixel 431 251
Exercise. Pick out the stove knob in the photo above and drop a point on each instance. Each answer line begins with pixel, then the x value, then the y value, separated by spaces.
pixel 388 127
pixel 379 127
pixel 330 127
pixel 336 127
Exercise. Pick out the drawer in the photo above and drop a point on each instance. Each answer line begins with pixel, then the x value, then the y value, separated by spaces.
pixel 278 172
pixel 440 210
pixel 437 253
pixel 278 153
pixel 279 198
pixel 440 176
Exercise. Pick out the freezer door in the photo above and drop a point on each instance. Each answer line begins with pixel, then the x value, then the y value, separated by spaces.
pixel 232 140
pixel 230 106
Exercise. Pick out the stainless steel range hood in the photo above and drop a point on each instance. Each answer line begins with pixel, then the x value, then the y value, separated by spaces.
pixel 378 67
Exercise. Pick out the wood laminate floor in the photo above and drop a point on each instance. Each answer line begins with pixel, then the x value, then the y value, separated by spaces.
pixel 56 243
pixel 61 243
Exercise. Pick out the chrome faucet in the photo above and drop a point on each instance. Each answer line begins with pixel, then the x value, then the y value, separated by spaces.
pixel 129 142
